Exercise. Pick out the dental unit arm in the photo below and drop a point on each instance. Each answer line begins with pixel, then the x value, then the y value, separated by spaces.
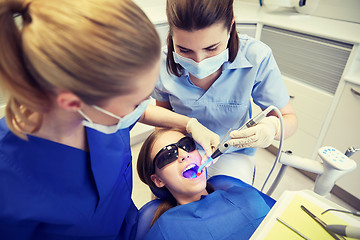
pixel 334 165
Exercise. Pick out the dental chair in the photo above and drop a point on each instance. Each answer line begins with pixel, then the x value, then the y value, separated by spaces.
pixel 220 182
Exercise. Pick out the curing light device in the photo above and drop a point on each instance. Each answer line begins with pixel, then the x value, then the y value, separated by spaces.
pixel 203 165
pixel 224 146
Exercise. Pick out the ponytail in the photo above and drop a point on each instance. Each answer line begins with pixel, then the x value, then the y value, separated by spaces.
pixel 25 100
pixel 69 45
pixel 233 43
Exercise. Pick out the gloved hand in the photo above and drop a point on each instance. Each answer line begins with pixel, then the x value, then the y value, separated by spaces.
pixel 205 137
pixel 260 135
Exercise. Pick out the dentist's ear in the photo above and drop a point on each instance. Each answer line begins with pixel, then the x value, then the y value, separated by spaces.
pixel 68 101
pixel 232 24
pixel 157 181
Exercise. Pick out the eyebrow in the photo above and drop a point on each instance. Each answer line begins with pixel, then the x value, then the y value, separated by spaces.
pixel 211 46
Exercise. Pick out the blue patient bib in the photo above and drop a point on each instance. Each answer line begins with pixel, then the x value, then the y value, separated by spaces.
pixel 231 214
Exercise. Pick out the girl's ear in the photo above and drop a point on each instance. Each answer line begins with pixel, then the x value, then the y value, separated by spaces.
pixel 157 181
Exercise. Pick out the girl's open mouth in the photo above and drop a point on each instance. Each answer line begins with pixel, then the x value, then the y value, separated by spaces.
pixel 190 171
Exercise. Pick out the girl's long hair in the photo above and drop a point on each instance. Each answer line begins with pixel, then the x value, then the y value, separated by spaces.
pixel 145 168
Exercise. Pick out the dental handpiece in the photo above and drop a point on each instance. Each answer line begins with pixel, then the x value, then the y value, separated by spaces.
pixel 223 147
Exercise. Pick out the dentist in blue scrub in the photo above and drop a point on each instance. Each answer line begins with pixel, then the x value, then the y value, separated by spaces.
pixel 77 76
pixel 209 72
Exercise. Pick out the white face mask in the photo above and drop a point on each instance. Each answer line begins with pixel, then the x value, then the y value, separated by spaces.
pixel 204 68
pixel 124 122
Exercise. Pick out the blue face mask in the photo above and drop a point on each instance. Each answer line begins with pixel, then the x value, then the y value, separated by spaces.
pixel 124 122
pixel 204 68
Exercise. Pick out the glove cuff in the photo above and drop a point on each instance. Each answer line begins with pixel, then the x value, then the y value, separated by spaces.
pixel 276 123
pixel 190 124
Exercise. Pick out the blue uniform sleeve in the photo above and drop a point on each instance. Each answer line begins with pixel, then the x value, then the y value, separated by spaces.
pixel 269 88
pixel 158 94
pixel 19 231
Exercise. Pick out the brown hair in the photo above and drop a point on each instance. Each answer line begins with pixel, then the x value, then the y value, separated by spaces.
pixel 91 48
pixel 192 15
pixel 145 168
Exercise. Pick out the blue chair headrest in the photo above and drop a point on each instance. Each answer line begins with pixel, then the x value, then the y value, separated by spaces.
pixel 161 193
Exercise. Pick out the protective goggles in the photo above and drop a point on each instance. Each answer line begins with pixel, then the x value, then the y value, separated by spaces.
pixel 170 153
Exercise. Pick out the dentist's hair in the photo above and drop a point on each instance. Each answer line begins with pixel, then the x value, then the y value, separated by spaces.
pixel 94 49
pixel 192 15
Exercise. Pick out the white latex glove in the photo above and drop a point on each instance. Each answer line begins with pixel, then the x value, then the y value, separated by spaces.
pixel 204 136
pixel 260 135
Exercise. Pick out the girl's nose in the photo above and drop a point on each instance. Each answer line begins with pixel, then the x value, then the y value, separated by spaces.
pixel 183 155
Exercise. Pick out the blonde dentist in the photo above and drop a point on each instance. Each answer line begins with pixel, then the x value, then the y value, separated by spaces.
pixel 76 76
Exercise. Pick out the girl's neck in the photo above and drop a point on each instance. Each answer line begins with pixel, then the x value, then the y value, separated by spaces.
pixel 196 197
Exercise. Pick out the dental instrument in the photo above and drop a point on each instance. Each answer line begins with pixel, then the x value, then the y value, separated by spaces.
pixel 350 151
pixel 293 229
pixel 210 158
pixel 355 213
pixel 203 165
pixel 345 230
pixel 320 222
pixel 223 147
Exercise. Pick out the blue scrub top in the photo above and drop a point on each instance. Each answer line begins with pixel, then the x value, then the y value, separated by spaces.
pixel 53 191
pixel 232 214
pixel 226 104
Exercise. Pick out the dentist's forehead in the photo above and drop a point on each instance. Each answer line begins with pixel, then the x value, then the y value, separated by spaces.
pixel 199 39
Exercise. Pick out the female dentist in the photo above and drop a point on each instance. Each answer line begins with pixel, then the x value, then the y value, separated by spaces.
pixel 77 76
pixel 210 73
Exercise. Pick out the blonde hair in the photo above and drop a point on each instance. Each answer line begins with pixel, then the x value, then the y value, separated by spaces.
pixel 91 48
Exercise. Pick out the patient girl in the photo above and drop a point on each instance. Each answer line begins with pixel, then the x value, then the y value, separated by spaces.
pixel 191 209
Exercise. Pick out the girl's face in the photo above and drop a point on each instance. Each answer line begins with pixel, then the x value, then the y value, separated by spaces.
pixel 171 176
pixel 201 44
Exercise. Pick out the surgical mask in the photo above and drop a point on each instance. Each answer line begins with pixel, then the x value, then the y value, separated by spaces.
pixel 124 122
pixel 204 68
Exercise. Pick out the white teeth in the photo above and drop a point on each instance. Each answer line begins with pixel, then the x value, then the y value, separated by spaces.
pixel 189 167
